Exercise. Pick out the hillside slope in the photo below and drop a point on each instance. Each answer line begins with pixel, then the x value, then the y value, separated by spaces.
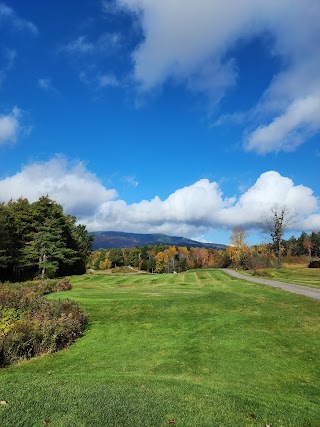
pixel 117 239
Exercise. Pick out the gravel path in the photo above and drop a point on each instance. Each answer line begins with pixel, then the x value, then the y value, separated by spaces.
pixel 296 289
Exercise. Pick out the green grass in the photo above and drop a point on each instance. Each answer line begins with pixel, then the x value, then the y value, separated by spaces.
pixel 200 348
pixel 303 276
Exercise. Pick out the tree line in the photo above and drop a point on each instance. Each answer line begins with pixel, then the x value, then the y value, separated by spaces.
pixel 38 239
pixel 167 259
pixel 270 255
pixel 305 244
pixel 159 258
pixel 273 223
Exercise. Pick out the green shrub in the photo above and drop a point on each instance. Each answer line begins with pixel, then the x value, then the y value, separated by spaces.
pixel 18 343
pixel 53 285
pixel 262 273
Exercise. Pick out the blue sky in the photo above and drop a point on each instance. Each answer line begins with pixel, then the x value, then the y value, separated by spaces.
pixel 147 116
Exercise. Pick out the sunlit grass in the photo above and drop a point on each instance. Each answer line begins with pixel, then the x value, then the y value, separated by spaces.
pixel 299 275
pixel 200 348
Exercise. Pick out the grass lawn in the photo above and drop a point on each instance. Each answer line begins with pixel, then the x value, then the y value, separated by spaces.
pixel 298 275
pixel 198 349
pixel 301 276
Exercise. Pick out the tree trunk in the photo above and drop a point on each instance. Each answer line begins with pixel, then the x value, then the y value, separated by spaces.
pixel 279 256
pixel 43 260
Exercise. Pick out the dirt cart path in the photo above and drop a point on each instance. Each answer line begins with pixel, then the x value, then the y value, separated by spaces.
pixel 296 289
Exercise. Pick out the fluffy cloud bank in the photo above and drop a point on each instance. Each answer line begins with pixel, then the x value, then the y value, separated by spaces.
pixel 192 40
pixel 73 186
pixel 189 211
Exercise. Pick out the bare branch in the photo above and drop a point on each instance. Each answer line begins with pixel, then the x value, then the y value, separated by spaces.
pixel 274 222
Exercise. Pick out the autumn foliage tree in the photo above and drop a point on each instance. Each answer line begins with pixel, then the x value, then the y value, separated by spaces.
pixel 160 258
pixel 238 249
pixel 161 262
pixel 171 253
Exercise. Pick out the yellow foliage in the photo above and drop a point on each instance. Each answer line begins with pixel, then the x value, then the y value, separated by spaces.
pixel 104 265
pixel 7 320
pixel 161 261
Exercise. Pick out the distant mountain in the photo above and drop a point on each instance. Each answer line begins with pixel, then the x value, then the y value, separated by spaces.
pixel 117 239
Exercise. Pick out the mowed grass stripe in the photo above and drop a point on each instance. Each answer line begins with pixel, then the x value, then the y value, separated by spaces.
pixel 222 354
pixel 300 276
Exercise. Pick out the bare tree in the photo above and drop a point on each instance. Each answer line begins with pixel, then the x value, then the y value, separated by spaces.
pixel 274 222
pixel 308 245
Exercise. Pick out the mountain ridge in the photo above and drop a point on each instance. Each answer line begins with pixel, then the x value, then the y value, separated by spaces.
pixel 120 239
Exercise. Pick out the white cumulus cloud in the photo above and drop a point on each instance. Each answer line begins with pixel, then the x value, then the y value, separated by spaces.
pixel 9 126
pixel 73 186
pixel 192 41
pixel 201 207
pixel 180 36
pixel 190 211
pixel 290 129
pixel 270 189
